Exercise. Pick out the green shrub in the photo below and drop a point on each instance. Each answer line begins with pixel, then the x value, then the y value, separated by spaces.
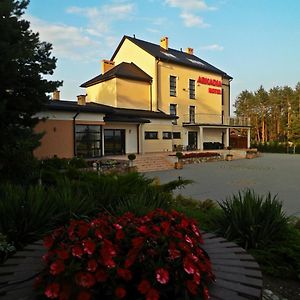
pixel 252 220
pixel 179 154
pixel 54 163
pixel 5 248
pixel 131 156
pixel 26 214
pixel 281 259
pixel 78 163
pixel 205 212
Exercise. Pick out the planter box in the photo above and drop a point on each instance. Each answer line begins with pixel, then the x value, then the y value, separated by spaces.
pixel 198 160
pixel 178 165
pixel 228 157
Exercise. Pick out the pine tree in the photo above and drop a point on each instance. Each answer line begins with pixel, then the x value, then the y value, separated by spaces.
pixel 24 62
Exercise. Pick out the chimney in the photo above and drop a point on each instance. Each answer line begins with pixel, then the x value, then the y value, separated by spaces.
pixel 56 95
pixel 189 51
pixel 81 99
pixel 107 65
pixel 164 43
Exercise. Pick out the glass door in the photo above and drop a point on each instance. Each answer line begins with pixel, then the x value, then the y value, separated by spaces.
pixel 114 141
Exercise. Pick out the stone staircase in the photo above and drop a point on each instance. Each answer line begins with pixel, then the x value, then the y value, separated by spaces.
pixel 153 162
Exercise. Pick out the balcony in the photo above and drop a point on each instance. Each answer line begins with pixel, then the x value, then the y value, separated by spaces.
pixel 214 119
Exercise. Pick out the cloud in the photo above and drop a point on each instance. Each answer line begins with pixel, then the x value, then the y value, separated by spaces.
pixel 68 41
pixel 188 5
pixel 191 20
pixel 188 9
pixel 213 47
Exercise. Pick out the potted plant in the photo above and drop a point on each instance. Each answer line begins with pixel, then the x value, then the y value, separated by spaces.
pixel 251 153
pixel 131 158
pixel 229 156
pixel 178 163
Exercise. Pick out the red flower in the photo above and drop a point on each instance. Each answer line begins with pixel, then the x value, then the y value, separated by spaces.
pixel 83 230
pixel 65 292
pixel 52 290
pixel 165 226
pixel 62 254
pixel 85 279
pixel 192 287
pixel 101 276
pixel 98 234
pixel 137 242
pixel 196 230
pixel 152 295
pixel 197 277
pixel 143 229
pixel 174 253
pixel 92 265
pixel 84 295
pixel 120 292
pixel 48 241
pixel 131 257
pixel 57 267
pixel 124 274
pixel 120 234
pixel 144 286
pixel 88 246
pixel 77 251
pixel 188 266
pixel 162 276
pixel 206 293
pixel 188 240
pixel 184 223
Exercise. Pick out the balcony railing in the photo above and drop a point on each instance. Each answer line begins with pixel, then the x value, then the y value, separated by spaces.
pixel 214 119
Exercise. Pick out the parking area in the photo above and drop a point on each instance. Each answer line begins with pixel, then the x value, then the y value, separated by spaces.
pixel 275 173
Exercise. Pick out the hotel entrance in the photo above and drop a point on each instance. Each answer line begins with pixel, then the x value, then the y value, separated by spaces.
pixel 114 141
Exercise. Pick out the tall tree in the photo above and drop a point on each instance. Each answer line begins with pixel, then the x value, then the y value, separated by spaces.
pixel 24 61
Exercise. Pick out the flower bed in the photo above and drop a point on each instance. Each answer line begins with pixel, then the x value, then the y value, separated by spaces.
pixel 199 157
pixel 158 256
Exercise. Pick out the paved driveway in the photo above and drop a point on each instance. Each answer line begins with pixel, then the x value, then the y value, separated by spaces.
pixel 275 173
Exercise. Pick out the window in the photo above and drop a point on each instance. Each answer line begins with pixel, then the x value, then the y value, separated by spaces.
pixel 88 141
pixel 222 96
pixel 192 114
pixel 173 110
pixel 167 135
pixel 173 86
pixel 151 135
pixel 177 135
pixel 192 89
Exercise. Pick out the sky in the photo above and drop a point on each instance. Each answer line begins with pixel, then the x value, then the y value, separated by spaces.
pixel 257 42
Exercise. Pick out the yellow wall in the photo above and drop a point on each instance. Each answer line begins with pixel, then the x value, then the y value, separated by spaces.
pixel 159 145
pixel 133 94
pixel 205 102
pixel 129 52
pixel 104 92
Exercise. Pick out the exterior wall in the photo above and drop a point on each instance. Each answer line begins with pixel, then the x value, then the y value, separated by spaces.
pixel 130 135
pixel 208 107
pixel 212 135
pixel 129 52
pixel 133 94
pixel 57 140
pixel 160 144
pixel 104 92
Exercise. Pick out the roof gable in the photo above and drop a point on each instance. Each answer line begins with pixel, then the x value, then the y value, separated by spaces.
pixel 122 70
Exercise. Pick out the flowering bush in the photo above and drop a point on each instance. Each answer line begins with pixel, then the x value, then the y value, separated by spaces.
pixel 200 154
pixel 157 256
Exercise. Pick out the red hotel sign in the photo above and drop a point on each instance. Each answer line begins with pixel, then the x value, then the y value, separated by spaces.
pixel 213 82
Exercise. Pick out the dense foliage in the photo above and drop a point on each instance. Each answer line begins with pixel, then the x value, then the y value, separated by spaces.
pixel 276 147
pixel 25 60
pixel 27 213
pixel 106 257
pixel 258 224
pixel 274 114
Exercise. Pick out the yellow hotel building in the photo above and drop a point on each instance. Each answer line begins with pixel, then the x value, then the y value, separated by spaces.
pixel 148 98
